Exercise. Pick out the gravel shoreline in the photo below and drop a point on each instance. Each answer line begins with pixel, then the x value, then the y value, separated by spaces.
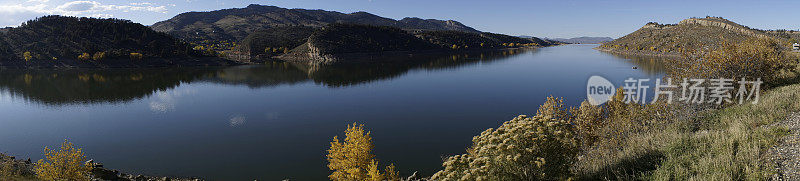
pixel 23 170
pixel 786 155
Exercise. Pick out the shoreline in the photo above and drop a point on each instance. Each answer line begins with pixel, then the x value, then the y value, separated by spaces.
pixel 24 170
pixel 639 53
pixel 185 62
pixel 376 57
pixel 120 63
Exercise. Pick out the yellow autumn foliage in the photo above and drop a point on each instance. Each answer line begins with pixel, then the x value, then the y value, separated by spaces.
pixel 751 59
pixel 7 170
pixel 27 56
pixel 66 163
pixel 352 159
pixel 553 108
pixel 373 172
pixel 136 56
pixel 84 56
pixel 99 56
pixel 524 148
pixel 587 120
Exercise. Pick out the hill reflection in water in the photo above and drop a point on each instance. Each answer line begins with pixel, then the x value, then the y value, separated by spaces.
pixel 651 65
pixel 82 86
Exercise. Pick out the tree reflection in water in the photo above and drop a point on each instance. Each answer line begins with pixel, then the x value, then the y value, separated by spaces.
pixel 83 86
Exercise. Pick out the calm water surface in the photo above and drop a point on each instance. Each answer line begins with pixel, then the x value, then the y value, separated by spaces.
pixel 275 121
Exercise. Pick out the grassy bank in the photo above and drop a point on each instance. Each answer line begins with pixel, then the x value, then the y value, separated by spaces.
pixel 724 144
pixel 731 143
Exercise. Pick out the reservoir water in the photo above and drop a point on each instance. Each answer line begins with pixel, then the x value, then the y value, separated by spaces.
pixel 275 121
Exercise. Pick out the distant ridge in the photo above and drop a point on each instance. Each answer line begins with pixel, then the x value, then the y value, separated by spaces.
pixel 583 40
pixel 235 24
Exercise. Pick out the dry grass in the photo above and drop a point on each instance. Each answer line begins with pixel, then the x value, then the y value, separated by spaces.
pixel 725 144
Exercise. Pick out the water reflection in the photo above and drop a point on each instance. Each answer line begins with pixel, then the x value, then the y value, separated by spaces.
pixel 64 87
pixel 237 120
pixel 650 65
pixel 348 75
pixel 165 101
pixel 58 87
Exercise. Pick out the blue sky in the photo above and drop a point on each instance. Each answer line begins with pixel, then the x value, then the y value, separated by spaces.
pixel 551 18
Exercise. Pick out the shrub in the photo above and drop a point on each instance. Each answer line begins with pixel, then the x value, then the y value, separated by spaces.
pixel 84 56
pixel 553 108
pixel 353 158
pixel 524 148
pixel 754 58
pixel 99 56
pixel 391 173
pixel 67 163
pixel 588 120
pixel 7 170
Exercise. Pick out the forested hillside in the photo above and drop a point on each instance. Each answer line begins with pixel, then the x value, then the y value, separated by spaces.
pixel 274 41
pixel 237 23
pixel 467 40
pixel 330 44
pixel 58 41
pixel 350 38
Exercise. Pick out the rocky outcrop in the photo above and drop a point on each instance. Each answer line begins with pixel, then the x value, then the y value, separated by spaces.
pixel 724 24
pixel 654 25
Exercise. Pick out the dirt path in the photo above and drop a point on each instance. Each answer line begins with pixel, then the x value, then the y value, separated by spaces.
pixel 786 154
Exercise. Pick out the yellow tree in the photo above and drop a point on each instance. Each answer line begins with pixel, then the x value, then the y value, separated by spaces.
pixel 350 160
pixel 99 56
pixel 353 158
pixel 84 56
pixel 374 173
pixel 67 163
pixel 27 56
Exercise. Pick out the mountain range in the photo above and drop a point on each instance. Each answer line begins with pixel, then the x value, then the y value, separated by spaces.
pixel 583 40
pixel 235 24
pixel 256 32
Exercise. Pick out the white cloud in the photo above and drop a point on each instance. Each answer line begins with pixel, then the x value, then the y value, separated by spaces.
pixel 142 4
pixel 77 7
pixel 102 15
pixel 237 120
pixel 14 14
pixel 20 9
pixel 166 101
pixel 80 6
